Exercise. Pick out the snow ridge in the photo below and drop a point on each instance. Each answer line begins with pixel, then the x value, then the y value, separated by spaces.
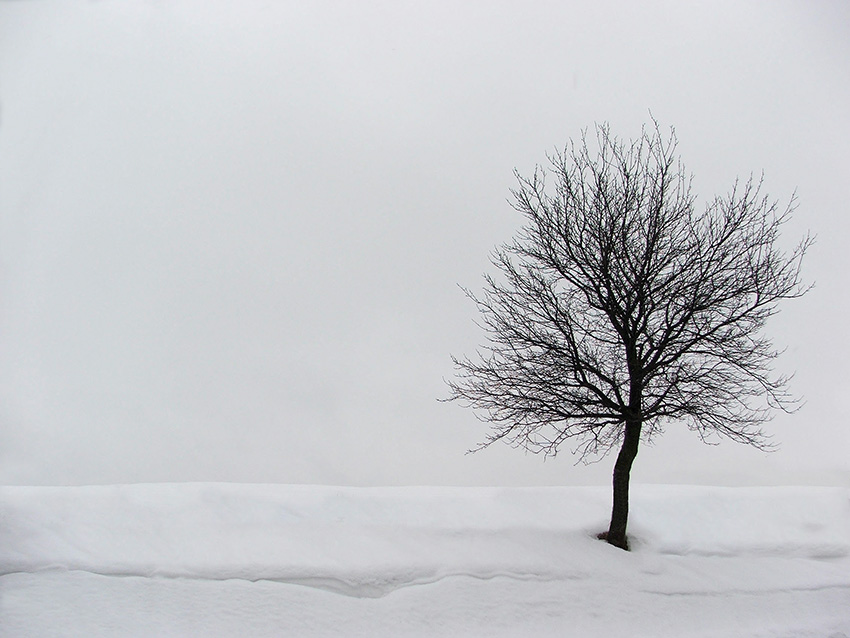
pixel 271 560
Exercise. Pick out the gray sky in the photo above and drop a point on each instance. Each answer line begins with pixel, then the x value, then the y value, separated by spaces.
pixel 231 234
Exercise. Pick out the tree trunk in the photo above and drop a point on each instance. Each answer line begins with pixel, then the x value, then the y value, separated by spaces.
pixel 622 469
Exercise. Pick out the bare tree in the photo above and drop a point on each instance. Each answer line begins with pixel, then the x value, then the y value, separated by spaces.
pixel 619 307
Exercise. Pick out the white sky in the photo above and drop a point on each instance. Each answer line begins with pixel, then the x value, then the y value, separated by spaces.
pixel 231 233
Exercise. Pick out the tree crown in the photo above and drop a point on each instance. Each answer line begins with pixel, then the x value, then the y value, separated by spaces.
pixel 619 302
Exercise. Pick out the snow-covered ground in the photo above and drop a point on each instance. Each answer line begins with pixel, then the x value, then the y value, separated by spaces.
pixel 272 560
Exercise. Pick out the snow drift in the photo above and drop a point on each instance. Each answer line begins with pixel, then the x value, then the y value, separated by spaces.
pixel 778 557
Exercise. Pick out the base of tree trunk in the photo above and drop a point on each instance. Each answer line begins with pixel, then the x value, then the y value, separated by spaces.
pixel 622 543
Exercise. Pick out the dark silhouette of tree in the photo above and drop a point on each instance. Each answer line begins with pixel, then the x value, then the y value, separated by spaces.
pixel 620 307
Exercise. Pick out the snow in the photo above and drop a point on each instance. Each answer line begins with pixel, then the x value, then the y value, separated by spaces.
pixel 213 559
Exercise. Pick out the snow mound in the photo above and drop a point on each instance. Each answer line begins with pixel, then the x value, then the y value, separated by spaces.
pixel 367 542
pixel 269 560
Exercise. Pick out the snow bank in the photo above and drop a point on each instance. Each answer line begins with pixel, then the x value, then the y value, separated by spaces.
pixel 363 542
pixel 368 543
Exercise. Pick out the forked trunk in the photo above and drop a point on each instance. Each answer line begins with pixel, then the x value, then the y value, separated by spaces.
pixel 622 469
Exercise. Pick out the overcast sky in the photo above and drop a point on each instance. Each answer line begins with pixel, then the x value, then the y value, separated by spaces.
pixel 232 233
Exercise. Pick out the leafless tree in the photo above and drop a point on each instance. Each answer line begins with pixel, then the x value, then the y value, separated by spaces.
pixel 620 307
